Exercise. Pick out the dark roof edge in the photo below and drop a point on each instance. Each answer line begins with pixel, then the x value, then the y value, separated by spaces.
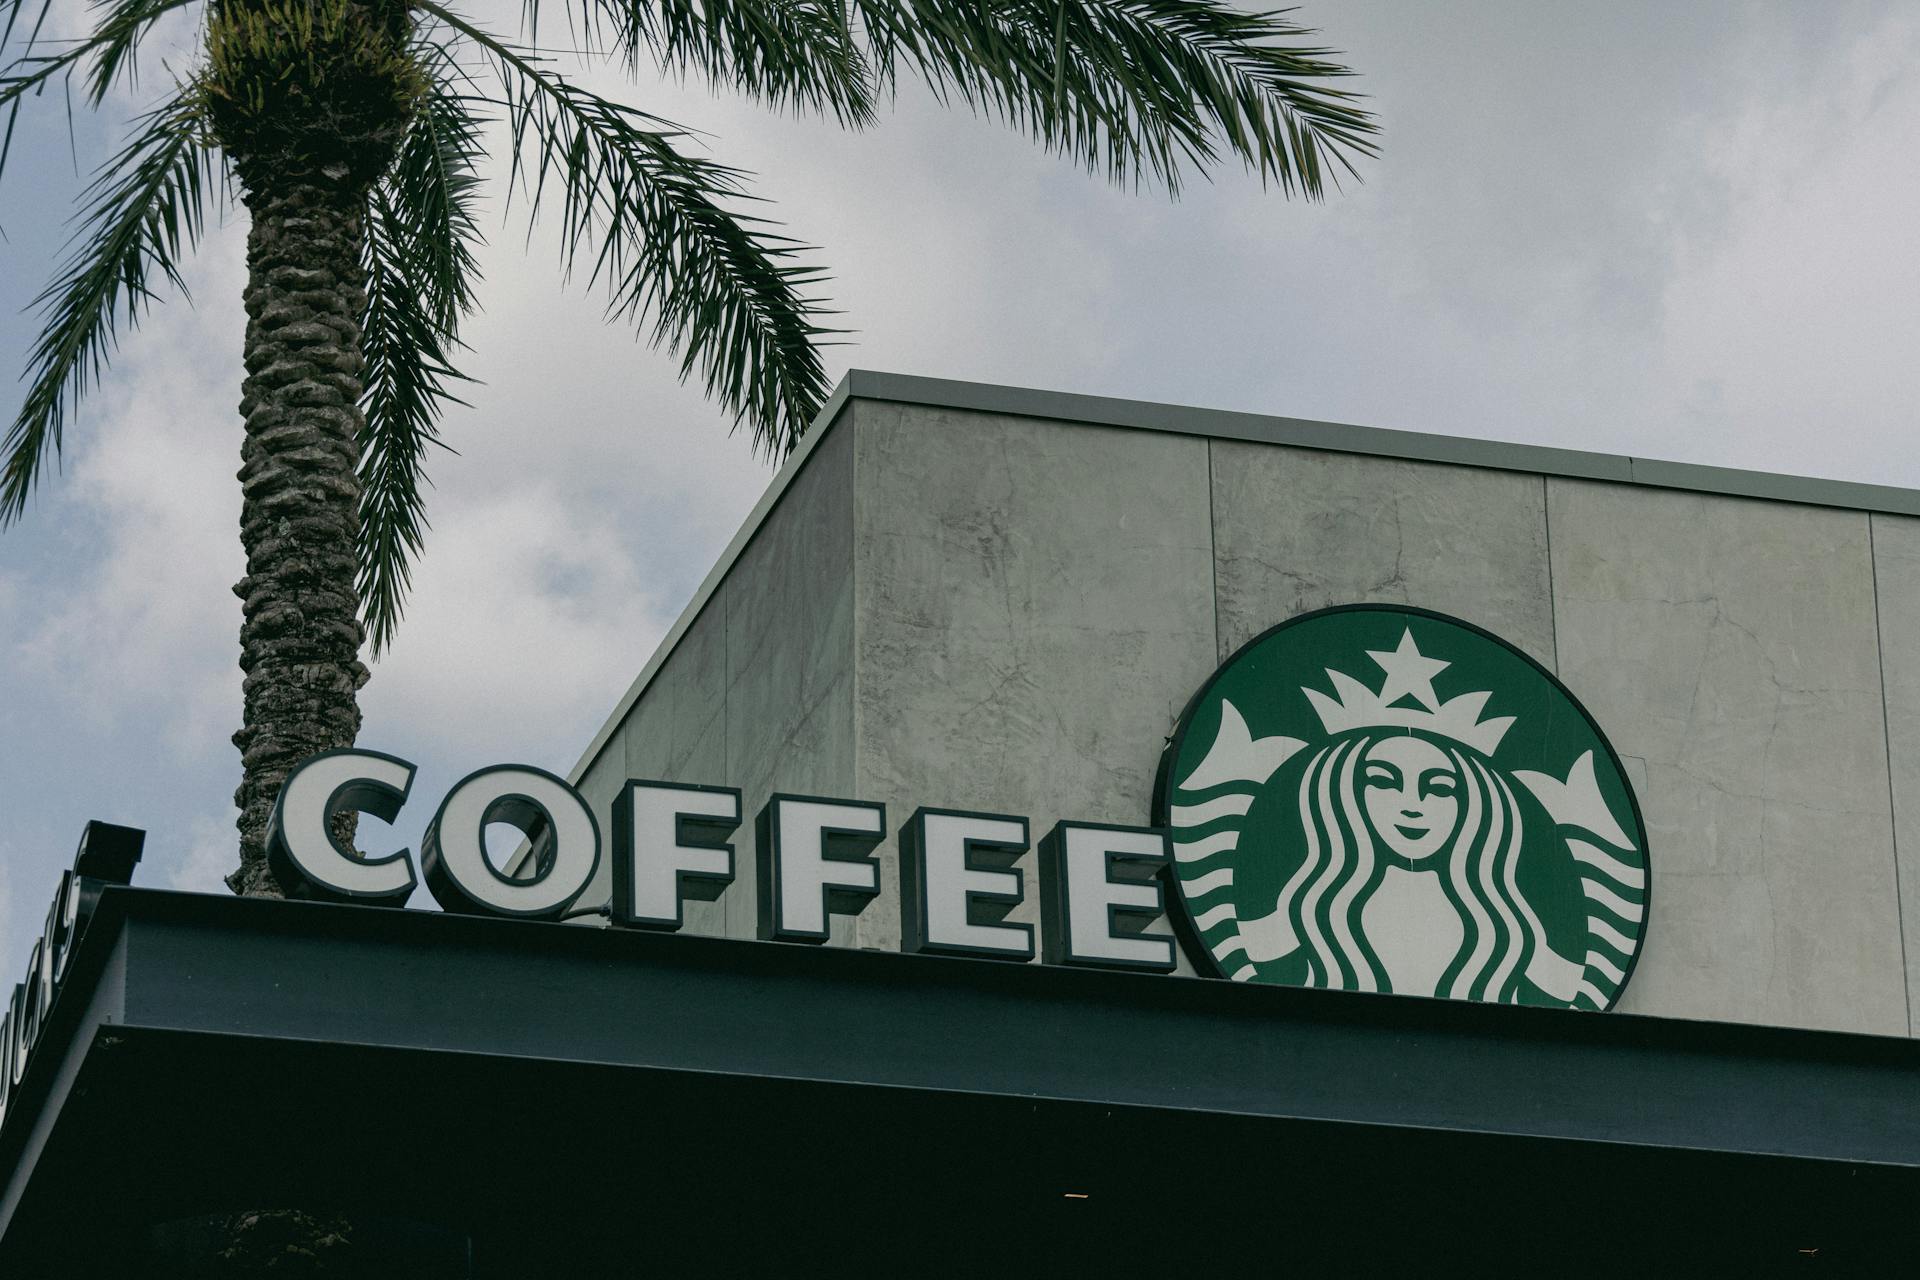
pixel 1226 424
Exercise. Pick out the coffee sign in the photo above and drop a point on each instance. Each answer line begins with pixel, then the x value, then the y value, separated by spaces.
pixel 1099 885
pixel 1367 798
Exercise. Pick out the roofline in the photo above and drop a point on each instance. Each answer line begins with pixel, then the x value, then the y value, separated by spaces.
pixel 1259 428
pixel 1340 437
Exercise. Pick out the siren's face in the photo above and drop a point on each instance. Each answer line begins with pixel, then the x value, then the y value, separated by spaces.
pixel 1411 791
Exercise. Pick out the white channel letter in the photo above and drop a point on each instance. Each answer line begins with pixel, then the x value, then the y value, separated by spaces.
pixel 32 1013
pixel 19 1047
pixel 300 831
pixel 655 855
pixel 544 808
pixel 49 981
pixel 812 882
pixel 6 1062
pixel 951 882
pixel 1110 874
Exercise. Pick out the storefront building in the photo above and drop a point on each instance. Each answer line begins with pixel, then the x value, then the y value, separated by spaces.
pixel 1245 738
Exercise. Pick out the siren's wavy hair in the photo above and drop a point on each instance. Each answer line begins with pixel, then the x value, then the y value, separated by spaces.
pixel 1341 868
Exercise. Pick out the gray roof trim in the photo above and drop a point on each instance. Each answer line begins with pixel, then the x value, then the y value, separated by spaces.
pixel 1224 424
pixel 1812 491
pixel 1339 437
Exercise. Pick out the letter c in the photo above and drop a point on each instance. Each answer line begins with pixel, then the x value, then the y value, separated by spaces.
pixel 301 847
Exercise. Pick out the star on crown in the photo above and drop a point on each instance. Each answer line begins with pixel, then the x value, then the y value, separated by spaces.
pixel 1409 676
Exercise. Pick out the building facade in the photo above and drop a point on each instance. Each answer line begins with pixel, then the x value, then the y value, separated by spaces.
pixel 1001 600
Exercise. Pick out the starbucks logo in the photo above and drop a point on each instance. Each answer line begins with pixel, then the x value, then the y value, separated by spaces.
pixel 1385 799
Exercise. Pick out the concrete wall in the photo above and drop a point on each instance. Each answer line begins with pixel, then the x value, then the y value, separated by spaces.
pixel 1036 607
pixel 1732 646
pixel 972 609
pixel 1297 530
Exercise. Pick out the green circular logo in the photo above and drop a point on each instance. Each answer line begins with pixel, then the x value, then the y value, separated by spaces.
pixel 1372 798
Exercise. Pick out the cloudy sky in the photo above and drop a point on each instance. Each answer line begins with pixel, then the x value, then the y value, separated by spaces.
pixel 1681 231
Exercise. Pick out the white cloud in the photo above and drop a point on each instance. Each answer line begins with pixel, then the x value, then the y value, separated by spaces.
pixel 1780 338
pixel 151 618
pixel 8 928
pixel 533 611
pixel 211 852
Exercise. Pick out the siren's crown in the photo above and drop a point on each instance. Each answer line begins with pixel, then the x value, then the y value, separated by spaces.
pixel 1410 675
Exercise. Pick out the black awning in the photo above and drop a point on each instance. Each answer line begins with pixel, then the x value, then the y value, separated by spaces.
pixel 598 1099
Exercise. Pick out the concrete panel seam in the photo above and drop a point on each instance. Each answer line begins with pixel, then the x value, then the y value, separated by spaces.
pixel 1213 555
pixel 726 691
pixel 855 630
pixel 1553 608
pixel 1886 731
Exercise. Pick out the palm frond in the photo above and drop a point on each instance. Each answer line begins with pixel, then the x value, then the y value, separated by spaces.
pixel 117 38
pixel 421 231
pixel 719 288
pixel 142 213
pixel 1133 86
pixel 436 176
pixel 790 53
pixel 111 48
pixel 13 9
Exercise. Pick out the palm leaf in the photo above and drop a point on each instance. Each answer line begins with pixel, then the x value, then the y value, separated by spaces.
pixel 797 53
pixel 111 47
pixel 719 288
pixel 437 176
pixel 421 231
pixel 1133 85
pixel 142 212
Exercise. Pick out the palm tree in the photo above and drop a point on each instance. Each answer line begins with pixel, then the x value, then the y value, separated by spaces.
pixel 354 132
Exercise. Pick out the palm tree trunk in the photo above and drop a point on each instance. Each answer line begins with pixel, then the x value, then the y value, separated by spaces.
pixel 309 104
pixel 300 636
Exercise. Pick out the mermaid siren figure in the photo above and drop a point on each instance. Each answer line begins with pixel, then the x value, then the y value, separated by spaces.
pixel 1391 846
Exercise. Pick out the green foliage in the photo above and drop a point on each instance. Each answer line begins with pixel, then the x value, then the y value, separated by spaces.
pixel 1133 87
pixel 145 210
pixel 108 50
pixel 309 81
pixel 421 231
pixel 436 179
pixel 801 56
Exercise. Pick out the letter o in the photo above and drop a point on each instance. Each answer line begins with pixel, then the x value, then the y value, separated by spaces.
pixel 453 851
